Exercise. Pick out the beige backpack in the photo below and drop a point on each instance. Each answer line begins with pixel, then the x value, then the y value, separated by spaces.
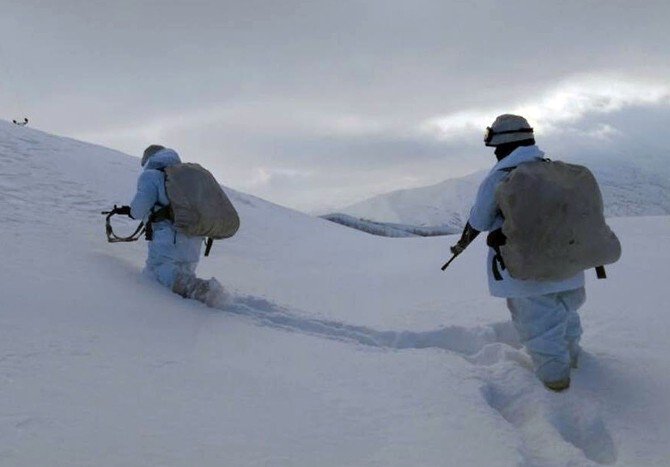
pixel 554 222
pixel 199 207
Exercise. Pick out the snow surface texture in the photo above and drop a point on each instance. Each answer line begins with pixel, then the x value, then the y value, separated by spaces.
pixel 629 189
pixel 338 349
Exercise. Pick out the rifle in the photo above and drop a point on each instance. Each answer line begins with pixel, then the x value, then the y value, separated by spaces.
pixel 469 234
pixel 446 265
pixel 112 237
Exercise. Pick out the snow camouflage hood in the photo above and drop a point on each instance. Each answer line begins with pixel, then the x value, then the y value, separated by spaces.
pixel 164 158
pixel 519 156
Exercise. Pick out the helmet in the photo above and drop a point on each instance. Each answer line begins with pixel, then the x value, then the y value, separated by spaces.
pixel 150 151
pixel 508 128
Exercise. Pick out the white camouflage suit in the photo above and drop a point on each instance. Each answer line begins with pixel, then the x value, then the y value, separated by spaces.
pixel 544 313
pixel 173 256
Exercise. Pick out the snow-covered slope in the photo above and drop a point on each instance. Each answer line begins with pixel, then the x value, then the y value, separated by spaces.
pixel 629 189
pixel 339 349
pixel 445 204
pixel 386 229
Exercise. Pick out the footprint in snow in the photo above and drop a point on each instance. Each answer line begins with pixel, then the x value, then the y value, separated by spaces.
pixel 551 426
pixel 554 429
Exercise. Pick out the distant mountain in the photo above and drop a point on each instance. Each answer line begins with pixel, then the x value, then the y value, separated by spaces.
pixel 629 189
pixel 443 206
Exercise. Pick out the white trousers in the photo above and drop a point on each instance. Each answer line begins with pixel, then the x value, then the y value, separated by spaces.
pixel 550 329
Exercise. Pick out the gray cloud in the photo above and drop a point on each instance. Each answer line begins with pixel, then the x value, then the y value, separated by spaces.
pixel 317 104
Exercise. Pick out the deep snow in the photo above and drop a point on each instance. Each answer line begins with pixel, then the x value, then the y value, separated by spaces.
pixel 340 348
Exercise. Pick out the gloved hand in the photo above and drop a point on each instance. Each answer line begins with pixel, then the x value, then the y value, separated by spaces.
pixel 469 234
pixel 458 248
pixel 124 210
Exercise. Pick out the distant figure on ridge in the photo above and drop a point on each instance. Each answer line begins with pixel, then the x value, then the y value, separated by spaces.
pixel 546 227
pixel 181 204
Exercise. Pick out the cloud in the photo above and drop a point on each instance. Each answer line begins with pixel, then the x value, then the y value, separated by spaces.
pixel 266 176
pixel 312 104
pixel 563 105
pixel 317 161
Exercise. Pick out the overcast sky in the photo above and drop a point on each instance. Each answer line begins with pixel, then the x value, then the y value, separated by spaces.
pixel 317 104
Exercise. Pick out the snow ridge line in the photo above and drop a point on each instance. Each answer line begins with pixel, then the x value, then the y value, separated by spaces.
pixel 573 422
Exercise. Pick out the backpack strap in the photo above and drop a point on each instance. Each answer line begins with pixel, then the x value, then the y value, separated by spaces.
pixel 208 245
pixel 494 267
pixel 163 213
pixel 510 169
pixel 495 239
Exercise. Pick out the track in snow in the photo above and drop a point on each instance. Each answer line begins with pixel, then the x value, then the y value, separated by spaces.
pixel 464 341
pixel 552 427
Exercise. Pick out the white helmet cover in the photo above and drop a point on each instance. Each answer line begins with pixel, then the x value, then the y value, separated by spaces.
pixel 508 128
